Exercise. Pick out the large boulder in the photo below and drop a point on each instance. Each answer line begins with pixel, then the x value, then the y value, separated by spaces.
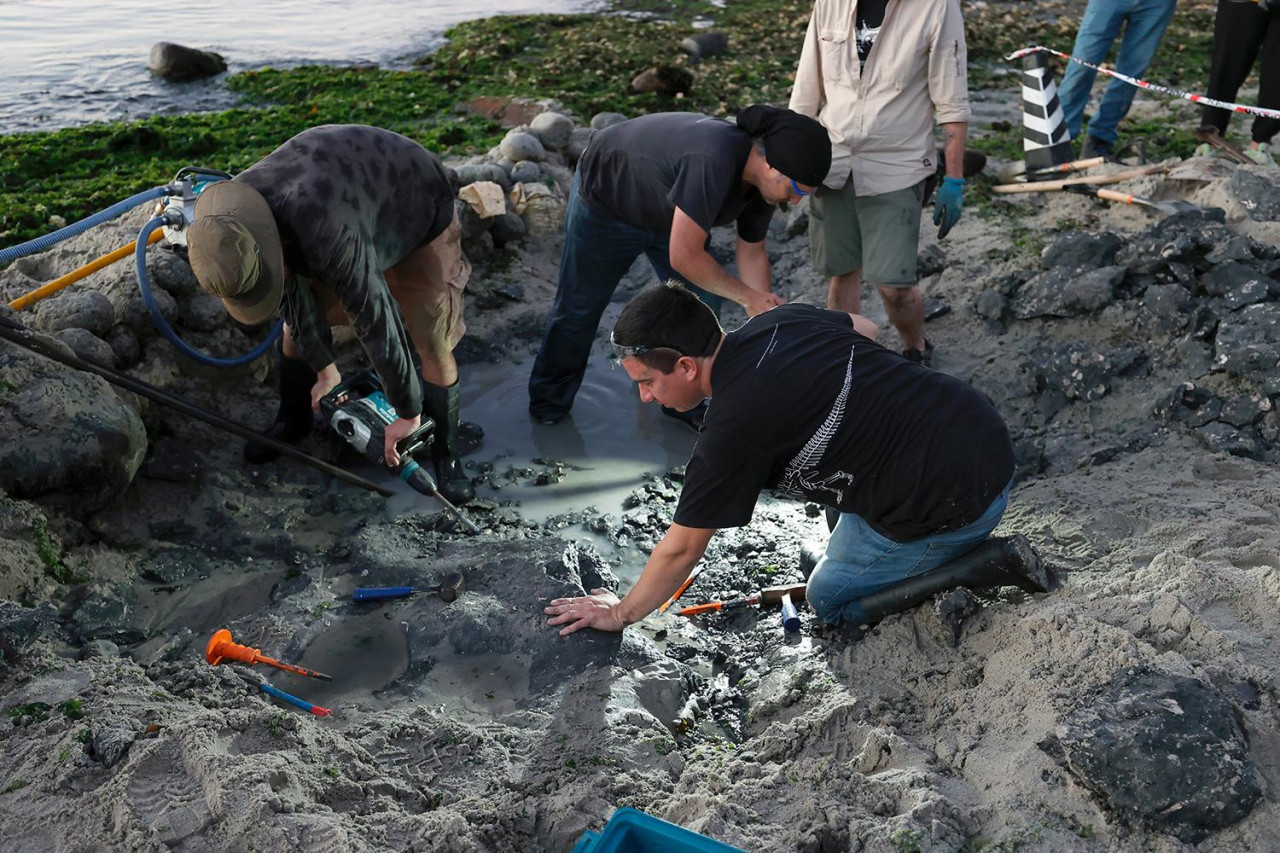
pixel 70 440
pixel 179 63
pixel 553 129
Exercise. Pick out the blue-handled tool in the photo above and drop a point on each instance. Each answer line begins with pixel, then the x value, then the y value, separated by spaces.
pixel 447 590
pixel 790 616
pixel 295 701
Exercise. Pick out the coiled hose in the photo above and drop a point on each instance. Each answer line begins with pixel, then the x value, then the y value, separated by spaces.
pixel 144 285
pixel 48 241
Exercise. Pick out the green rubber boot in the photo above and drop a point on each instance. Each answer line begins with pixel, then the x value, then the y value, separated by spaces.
pixel 442 405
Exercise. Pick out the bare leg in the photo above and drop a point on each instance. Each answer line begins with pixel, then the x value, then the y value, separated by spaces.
pixel 905 307
pixel 844 292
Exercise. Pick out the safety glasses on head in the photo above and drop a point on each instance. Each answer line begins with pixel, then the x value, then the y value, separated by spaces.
pixel 795 188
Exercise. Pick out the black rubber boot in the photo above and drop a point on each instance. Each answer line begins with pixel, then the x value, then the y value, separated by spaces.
pixel 996 562
pixel 293 420
pixel 442 405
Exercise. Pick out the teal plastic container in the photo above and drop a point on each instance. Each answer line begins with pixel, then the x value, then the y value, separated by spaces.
pixel 633 831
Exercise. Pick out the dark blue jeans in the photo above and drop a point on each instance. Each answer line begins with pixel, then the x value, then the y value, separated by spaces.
pixel 598 251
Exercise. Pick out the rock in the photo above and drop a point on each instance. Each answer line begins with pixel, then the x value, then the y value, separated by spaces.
pixel 1080 252
pixel 69 437
pixel 578 143
pixel 600 121
pixel 471 223
pixel 667 80
pixel 931 261
pixel 1080 373
pixel 991 304
pixel 486 198
pixel 517 146
pixel 132 311
pixel 88 346
pixel 1237 248
pixel 178 63
pixel 1221 437
pixel 469 174
pixel 124 347
pixel 99 649
pixel 170 271
pixel 172 461
pixel 797 220
pixel 21 626
pixel 705 45
pixel 205 312
pixel 77 309
pixel 1189 404
pixel 507 228
pixel 109 743
pixel 510 112
pixel 1258 195
pixel 1248 342
pixel 1164 751
pixel 526 171
pixel 1246 411
pixel 1169 306
pixel 554 130
pixel 1061 293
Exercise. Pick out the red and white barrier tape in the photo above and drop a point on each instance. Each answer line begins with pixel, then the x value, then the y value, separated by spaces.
pixel 1143 84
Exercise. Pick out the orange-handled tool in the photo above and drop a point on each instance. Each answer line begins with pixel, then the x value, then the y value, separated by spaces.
pixel 221 648
pixel 721 606
pixel 693 575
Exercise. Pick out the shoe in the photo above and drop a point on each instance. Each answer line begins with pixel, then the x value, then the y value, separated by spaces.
pixel 994 563
pixel 293 419
pixel 1260 153
pixel 923 358
pixel 442 405
pixel 692 418
pixel 1095 147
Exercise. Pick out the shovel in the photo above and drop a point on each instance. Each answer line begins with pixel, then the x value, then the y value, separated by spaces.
pixel 1169 207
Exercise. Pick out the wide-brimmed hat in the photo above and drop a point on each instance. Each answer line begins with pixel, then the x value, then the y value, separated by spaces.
pixel 234 247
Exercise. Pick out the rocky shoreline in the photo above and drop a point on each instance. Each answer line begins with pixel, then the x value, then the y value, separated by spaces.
pixel 1134 707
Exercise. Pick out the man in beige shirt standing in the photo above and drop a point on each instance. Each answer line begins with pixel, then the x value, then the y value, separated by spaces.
pixel 875 73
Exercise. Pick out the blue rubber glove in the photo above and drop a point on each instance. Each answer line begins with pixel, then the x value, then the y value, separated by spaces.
pixel 946 207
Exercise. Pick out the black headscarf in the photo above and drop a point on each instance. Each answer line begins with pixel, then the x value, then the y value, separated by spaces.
pixel 795 145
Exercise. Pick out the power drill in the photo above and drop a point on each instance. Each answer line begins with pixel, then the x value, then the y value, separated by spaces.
pixel 358 410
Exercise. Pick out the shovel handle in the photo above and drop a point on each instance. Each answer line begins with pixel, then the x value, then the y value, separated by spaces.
pixel 1112 195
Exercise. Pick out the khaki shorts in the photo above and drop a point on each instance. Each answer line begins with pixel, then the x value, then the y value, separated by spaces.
pixel 428 286
pixel 878 234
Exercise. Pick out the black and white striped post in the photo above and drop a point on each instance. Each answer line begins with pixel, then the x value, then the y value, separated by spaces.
pixel 1045 142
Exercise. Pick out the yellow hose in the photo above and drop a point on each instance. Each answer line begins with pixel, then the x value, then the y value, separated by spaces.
pixel 45 291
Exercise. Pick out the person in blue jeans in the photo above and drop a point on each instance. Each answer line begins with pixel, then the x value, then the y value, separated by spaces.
pixel 657 185
pixel 1144 23
pixel 803 400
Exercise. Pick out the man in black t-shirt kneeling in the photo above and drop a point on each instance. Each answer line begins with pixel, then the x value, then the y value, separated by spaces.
pixel 918 463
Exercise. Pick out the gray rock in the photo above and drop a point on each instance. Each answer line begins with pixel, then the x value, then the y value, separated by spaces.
pixel 70 439
pixel 88 346
pixel 930 261
pixel 1237 248
pixel 130 310
pixel 76 309
pixel 1166 752
pixel 21 626
pixel 172 461
pixel 178 63
pixel 518 145
pixel 1258 195
pixel 600 121
pixel 1229 276
pixel 205 312
pixel 507 228
pixel 1080 252
pixel 1058 293
pixel 109 743
pixel 471 223
pixel 526 171
pixel 172 272
pixel 991 304
pixel 1248 341
pixel 1246 411
pixel 554 130
pixel 1188 404
pixel 105 613
pixel 1080 373
pixel 578 143
pixel 99 649
pixel 1196 357
pixel 1221 437
pixel 706 44
pixel 797 220
pixel 455 182
pixel 484 172
pixel 124 346
pixel 1169 305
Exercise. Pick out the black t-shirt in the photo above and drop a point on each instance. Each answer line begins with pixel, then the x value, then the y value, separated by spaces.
pixel 870 17
pixel 641 170
pixel 804 404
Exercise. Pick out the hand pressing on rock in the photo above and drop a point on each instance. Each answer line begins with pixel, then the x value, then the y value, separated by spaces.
pixel 598 610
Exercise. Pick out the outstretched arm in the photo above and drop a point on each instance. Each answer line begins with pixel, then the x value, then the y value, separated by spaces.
pixel 690 258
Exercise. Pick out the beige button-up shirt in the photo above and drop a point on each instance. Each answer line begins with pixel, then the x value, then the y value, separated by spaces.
pixel 880 117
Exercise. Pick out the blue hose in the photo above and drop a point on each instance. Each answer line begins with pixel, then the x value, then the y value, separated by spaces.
pixel 47 241
pixel 140 257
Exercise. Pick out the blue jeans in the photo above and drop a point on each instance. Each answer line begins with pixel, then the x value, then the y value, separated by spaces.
pixel 598 251
pixel 1144 23
pixel 860 561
